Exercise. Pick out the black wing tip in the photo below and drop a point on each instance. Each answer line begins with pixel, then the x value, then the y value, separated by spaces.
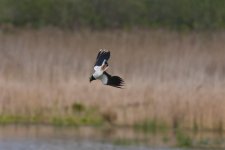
pixel 106 53
pixel 103 54
pixel 117 82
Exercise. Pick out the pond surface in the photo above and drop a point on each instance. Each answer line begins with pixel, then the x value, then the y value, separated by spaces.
pixel 89 138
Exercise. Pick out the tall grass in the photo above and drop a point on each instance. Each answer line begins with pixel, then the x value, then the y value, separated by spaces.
pixel 171 77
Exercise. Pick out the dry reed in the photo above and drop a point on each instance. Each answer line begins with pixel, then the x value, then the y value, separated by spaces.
pixel 176 78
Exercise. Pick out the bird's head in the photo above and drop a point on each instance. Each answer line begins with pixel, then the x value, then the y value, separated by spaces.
pixel 92 78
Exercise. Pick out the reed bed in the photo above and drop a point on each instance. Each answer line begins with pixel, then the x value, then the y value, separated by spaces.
pixel 172 77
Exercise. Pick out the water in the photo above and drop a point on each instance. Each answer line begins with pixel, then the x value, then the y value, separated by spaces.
pixel 85 138
pixel 62 144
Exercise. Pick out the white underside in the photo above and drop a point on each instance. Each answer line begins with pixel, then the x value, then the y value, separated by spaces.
pixel 98 74
pixel 104 79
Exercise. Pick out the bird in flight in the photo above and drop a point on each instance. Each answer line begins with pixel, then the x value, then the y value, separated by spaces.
pixel 100 67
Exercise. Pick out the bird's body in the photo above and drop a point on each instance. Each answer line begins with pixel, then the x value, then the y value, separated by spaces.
pixel 104 79
pixel 100 73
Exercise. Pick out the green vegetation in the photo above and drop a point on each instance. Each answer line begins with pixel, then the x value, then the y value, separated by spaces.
pixel 54 120
pixel 11 119
pixel 151 126
pixel 176 14
pixel 84 116
pixel 203 142
pixel 76 121
pixel 183 140
pixel 165 139
pixel 77 107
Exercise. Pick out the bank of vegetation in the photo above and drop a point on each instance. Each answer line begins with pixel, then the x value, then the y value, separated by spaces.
pixel 100 14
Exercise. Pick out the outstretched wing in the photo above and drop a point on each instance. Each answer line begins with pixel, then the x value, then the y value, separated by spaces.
pixel 114 81
pixel 102 56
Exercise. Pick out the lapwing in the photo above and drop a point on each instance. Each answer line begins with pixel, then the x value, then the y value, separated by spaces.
pixel 100 67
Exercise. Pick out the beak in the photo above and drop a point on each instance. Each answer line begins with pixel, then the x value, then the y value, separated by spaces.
pixel 92 78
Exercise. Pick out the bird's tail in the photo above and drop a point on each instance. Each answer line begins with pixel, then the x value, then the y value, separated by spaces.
pixel 116 81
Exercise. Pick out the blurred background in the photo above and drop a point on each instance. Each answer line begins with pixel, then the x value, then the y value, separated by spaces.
pixel 171 55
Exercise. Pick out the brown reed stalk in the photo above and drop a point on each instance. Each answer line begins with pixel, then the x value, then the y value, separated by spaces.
pixel 178 78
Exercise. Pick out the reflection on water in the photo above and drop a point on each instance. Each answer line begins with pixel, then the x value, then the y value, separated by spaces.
pixel 90 138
